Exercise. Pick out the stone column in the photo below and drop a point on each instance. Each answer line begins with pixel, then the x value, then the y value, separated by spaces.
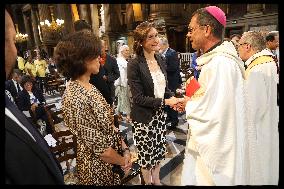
pixel 29 32
pixel 112 17
pixel 129 17
pixel 35 24
pixel 130 41
pixel 65 12
pixel 84 14
pixel 95 18
pixel 44 14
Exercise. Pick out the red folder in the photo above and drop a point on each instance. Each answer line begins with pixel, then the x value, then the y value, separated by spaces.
pixel 191 87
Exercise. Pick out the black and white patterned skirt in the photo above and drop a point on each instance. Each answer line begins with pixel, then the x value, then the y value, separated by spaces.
pixel 150 140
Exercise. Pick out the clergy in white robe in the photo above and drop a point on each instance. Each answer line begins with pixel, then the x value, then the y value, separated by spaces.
pixel 216 147
pixel 217 150
pixel 261 87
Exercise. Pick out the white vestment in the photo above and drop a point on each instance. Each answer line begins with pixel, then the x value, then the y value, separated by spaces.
pixel 217 150
pixel 122 65
pixel 261 87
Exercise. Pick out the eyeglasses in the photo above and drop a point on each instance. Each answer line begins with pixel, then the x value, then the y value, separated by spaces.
pixel 190 30
pixel 240 44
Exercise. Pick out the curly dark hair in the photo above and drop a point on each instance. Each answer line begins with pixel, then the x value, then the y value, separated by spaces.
pixel 140 35
pixel 204 18
pixel 25 79
pixel 72 53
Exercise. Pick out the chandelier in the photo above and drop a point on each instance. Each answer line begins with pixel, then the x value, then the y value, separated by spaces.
pixel 19 36
pixel 54 26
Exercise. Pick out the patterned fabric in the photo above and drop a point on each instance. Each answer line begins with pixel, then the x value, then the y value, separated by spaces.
pixel 150 140
pixel 90 118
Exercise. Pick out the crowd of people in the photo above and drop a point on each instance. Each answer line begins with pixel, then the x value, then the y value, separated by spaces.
pixel 233 117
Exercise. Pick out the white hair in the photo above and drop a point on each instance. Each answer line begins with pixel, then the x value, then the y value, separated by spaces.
pixel 122 48
pixel 164 41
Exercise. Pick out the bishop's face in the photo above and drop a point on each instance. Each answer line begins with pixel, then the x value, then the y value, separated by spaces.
pixel 196 33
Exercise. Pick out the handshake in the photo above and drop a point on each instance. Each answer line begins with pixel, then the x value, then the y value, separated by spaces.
pixel 178 104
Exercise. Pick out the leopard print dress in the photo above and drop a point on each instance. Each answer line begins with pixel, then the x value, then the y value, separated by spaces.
pixel 90 118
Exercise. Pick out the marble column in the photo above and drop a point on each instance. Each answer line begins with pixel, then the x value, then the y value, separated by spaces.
pixel 130 41
pixel 35 24
pixel 84 13
pixel 65 11
pixel 44 14
pixel 129 17
pixel 94 18
pixel 29 32
pixel 112 17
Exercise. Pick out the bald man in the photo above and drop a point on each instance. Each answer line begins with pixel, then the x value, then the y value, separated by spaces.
pixel 28 159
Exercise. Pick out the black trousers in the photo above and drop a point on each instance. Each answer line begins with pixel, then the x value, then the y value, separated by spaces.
pixel 40 113
pixel 40 82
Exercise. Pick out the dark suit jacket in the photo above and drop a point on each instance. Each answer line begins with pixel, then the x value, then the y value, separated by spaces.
pixel 111 69
pixel 24 103
pixel 142 89
pixel 173 69
pixel 9 85
pixel 26 162
pixel 112 73
pixel 98 81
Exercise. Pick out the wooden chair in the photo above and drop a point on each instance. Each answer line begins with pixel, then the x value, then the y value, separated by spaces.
pixel 66 147
pixel 52 114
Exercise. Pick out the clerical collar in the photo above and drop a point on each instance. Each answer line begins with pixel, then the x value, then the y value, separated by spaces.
pixel 214 46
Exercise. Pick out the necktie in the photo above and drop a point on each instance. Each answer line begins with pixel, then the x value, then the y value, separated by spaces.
pixel 39 138
pixel 18 87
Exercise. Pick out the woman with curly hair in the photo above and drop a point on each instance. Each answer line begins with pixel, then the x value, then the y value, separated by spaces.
pixel 147 80
pixel 87 114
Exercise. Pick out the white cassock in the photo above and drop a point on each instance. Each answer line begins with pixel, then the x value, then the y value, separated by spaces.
pixel 261 87
pixel 216 150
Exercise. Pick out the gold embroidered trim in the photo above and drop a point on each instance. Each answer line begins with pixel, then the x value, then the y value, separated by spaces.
pixel 257 61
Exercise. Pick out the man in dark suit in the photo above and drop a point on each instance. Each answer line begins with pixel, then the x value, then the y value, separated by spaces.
pixel 111 69
pixel 174 78
pixel 13 85
pixel 28 159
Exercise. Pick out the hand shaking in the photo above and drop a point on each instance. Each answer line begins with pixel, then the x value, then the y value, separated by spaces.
pixel 178 104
